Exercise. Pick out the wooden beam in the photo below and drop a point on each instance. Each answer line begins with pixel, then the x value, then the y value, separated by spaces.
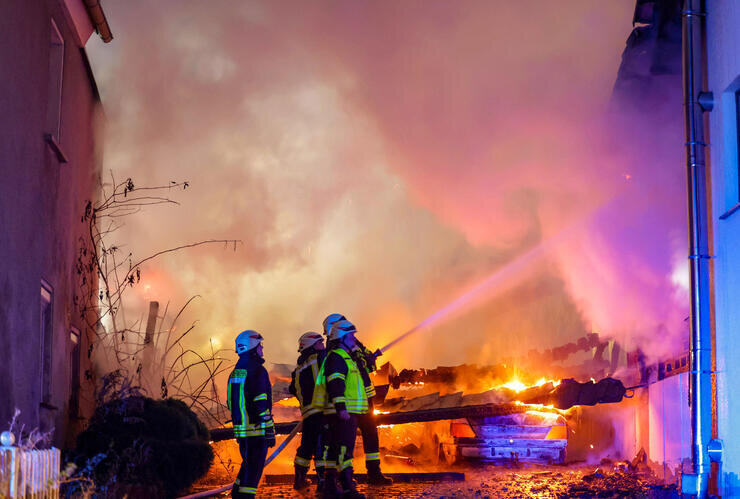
pixel 469 411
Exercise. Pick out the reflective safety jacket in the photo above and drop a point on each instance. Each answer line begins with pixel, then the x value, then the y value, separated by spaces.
pixel 249 397
pixel 365 360
pixel 339 385
pixel 304 377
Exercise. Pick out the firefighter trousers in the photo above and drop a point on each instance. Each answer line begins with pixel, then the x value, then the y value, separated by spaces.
pixel 254 452
pixel 311 443
pixel 342 436
pixel 370 441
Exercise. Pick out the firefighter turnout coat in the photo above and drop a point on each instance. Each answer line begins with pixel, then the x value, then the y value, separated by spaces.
pixel 303 382
pixel 339 385
pixel 250 397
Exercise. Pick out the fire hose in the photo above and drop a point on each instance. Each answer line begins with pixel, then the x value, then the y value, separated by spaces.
pixel 275 453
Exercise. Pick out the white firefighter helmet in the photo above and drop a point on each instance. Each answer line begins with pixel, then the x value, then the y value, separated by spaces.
pixel 340 329
pixel 308 339
pixel 330 320
pixel 247 340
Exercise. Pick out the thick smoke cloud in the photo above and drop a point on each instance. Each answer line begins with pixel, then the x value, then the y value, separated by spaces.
pixel 378 159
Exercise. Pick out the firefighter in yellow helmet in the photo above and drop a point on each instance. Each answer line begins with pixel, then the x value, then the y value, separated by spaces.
pixel 249 398
pixel 340 392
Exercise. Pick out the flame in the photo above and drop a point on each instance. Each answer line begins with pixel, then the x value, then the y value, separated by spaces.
pixel 517 386
pixel 288 402
pixel 542 414
pixel 551 408
pixel 378 411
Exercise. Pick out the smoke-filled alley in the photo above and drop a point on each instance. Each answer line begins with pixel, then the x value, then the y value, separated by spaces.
pixel 369 249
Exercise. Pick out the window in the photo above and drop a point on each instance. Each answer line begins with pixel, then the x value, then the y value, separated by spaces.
pixel 74 366
pixel 737 131
pixel 47 337
pixel 56 70
pixel 54 107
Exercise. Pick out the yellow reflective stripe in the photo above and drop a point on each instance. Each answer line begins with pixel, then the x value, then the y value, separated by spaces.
pixel 261 396
pixel 336 376
pixel 248 490
pixel 309 411
pixel 345 464
pixel 336 400
pixel 340 461
pixel 302 462
pixel 243 405
pixel 373 456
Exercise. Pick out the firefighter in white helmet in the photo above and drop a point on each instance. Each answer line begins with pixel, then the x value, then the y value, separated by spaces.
pixel 340 393
pixel 303 382
pixel 365 360
pixel 249 398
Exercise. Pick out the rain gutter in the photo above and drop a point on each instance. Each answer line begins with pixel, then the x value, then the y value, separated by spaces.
pixel 704 450
pixel 97 16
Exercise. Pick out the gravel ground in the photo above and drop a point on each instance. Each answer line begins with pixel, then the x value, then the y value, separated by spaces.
pixel 538 482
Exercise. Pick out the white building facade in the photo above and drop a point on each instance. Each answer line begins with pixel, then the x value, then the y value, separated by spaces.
pixel 723 72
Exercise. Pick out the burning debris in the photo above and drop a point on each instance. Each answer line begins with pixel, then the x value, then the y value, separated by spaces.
pixel 507 424
pixel 561 394
pixel 440 416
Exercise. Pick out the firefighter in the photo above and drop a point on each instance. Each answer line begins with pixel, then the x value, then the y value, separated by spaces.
pixel 365 360
pixel 250 402
pixel 312 354
pixel 340 392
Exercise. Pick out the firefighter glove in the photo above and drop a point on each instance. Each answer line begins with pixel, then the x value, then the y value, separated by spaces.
pixel 270 437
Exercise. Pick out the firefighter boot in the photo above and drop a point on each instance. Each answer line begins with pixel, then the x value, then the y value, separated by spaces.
pixel 349 486
pixel 319 477
pixel 375 476
pixel 300 481
pixel 329 489
pixel 235 494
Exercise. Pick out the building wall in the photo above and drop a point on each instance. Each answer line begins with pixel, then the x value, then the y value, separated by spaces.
pixel 670 425
pixel 723 42
pixel 41 202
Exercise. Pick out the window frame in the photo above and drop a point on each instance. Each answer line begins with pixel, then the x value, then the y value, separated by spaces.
pixel 46 332
pixel 74 374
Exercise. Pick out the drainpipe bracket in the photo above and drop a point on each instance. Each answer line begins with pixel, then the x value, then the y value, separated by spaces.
pixel 705 101
pixel 715 449
pixel 694 484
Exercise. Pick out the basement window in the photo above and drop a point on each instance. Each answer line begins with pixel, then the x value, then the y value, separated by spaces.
pixel 74 367
pixel 47 337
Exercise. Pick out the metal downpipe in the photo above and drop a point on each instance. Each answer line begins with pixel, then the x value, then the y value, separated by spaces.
pixel 694 22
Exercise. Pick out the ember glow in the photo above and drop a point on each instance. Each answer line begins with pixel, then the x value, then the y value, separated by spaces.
pixel 518 386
